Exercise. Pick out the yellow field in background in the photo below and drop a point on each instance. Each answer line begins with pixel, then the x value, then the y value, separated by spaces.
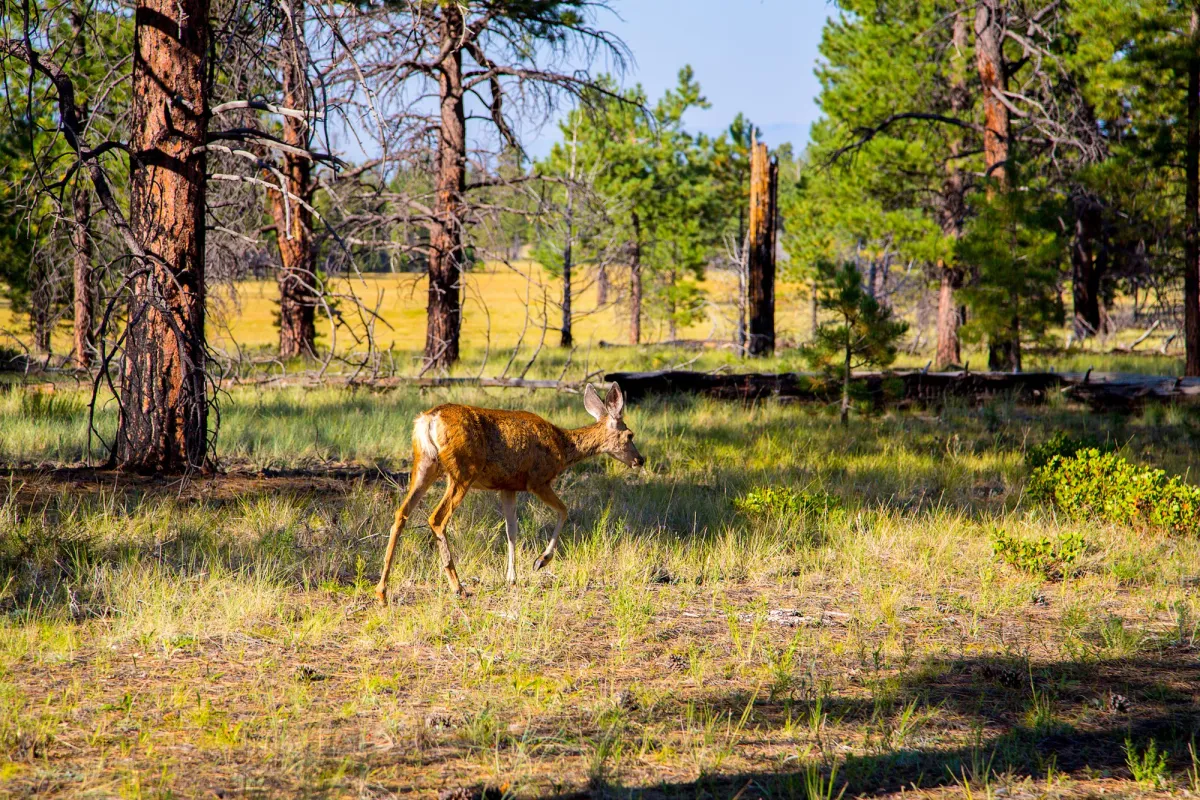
pixel 244 315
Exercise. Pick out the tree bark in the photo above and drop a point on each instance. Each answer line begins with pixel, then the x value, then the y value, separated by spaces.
pixel 1087 266
pixel 1003 352
pixel 601 286
pixel 41 304
pixel 1191 234
pixel 444 309
pixel 565 338
pixel 953 203
pixel 293 222
pixel 764 175
pixel 164 405
pixel 739 249
pixel 635 283
pixel 81 241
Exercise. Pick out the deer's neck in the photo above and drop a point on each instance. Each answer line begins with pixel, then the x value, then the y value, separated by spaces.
pixel 585 442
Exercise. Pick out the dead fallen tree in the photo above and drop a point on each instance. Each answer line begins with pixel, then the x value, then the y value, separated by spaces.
pixel 1115 391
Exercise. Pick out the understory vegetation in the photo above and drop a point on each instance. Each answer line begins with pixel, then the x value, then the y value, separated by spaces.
pixel 776 606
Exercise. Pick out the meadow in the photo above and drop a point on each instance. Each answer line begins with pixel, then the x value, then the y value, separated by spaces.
pixel 242 321
pixel 775 607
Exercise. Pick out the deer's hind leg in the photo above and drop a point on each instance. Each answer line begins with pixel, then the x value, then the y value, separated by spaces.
pixel 426 472
pixel 508 504
pixel 547 496
pixel 438 520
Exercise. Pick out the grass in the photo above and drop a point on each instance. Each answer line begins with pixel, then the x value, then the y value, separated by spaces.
pixel 217 636
pixel 242 320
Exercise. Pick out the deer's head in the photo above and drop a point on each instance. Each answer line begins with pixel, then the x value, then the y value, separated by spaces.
pixel 610 412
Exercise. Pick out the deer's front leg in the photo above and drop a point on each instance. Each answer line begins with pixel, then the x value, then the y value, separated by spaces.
pixel 508 504
pixel 547 496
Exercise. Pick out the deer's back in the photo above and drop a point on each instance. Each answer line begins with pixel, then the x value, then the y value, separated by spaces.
pixel 493 449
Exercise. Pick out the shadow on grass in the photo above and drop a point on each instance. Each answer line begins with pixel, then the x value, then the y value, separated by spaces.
pixel 1114 703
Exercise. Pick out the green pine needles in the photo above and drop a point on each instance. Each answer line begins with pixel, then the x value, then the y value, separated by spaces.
pixel 861 331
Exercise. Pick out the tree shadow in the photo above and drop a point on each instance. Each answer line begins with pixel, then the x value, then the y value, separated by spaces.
pixel 1115 702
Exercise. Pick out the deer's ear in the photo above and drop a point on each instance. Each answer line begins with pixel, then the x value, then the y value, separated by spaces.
pixel 615 403
pixel 593 403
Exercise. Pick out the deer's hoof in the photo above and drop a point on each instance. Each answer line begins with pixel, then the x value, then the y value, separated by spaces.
pixel 542 561
pixel 381 597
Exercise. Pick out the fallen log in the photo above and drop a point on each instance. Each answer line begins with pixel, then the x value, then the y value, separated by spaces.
pixel 1116 391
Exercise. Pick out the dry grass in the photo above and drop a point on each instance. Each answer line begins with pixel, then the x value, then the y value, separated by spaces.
pixel 242 318
pixel 217 639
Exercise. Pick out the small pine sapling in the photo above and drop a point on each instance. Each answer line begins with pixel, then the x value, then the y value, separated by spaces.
pixel 861 333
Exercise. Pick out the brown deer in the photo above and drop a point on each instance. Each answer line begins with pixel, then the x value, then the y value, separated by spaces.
pixel 506 452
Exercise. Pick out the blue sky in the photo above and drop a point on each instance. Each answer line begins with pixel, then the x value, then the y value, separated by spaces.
pixel 754 56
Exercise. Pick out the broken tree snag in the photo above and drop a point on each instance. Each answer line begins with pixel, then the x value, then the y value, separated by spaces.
pixel 760 289
pixel 293 220
pixel 164 405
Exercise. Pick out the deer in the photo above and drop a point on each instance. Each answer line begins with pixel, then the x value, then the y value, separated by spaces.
pixel 506 452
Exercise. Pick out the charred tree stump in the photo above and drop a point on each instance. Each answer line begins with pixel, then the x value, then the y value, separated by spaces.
pixel 760 290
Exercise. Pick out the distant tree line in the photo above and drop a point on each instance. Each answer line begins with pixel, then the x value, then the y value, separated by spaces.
pixel 1015 152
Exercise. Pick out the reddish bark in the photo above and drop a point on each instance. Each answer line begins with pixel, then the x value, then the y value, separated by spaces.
pixel 293 222
pixel 444 308
pixel 164 410
pixel 1003 352
pixel 953 206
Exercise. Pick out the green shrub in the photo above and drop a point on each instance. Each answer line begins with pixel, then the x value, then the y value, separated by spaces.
pixel 1092 484
pixel 1059 444
pixel 1046 557
pixel 764 501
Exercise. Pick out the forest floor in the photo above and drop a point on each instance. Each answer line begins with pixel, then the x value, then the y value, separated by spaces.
pixel 218 637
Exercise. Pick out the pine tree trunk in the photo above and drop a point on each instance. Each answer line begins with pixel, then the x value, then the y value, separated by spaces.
pixel 760 283
pixel 635 283
pixel 164 405
pixel 293 222
pixel 444 308
pixel 1191 234
pixel 953 204
pixel 813 308
pixel 1003 351
pixel 81 241
pixel 845 416
pixel 1086 267
pixel 602 287
pixel 41 300
pixel 565 338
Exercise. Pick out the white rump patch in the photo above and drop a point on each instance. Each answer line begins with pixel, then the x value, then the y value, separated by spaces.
pixel 425 431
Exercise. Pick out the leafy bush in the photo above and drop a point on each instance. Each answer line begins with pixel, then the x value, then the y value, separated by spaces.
pixel 1047 557
pixel 1092 484
pixel 764 501
pixel 1060 444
